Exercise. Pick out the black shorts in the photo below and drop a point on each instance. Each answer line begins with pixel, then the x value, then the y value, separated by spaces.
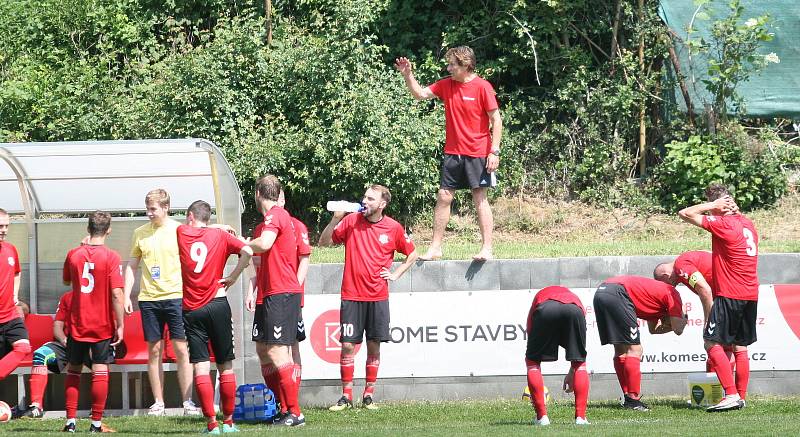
pixel 100 352
pixel 157 313
pixel 301 328
pixel 54 355
pixel 732 321
pixel 616 315
pixel 557 324
pixel 461 171
pixel 356 317
pixel 275 321
pixel 11 332
pixel 210 323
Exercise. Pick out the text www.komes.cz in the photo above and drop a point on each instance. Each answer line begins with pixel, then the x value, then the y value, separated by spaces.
pixel 666 357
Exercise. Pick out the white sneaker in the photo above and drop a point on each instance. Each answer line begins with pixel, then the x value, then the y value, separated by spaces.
pixel 729 402
pixel 190 409
pixel 157 409
pixel 544 421
pixel 581 421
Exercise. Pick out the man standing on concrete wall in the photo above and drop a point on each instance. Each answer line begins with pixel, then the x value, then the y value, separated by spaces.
pixel 473 129
pixel 370 240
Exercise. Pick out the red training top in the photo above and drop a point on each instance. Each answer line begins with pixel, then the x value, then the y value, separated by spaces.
pixel 203 253
pixel 652 299
pixel 734 247
pixel 280 261
pixel 62 313
pixel 303 249
pixel 556 293
pixel 368 249
pixel 93 272
pixel 465 114
pixel 9 267
pixel 689 263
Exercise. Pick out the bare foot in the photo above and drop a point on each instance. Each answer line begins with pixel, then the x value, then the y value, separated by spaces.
pixel 431 254
pixel 483 255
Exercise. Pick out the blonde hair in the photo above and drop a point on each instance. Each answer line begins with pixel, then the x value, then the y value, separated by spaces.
pixel 463 56
pixel 158 195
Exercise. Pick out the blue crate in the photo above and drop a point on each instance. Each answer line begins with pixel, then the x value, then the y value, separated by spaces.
pixel 254 403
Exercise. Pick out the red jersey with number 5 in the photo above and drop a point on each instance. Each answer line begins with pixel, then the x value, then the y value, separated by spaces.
pixel 689 263
pixel 93 272
pixel 203 253
pixel 734 247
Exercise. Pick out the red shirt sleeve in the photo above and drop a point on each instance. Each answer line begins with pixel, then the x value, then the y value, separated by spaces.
pixel 63 308
pixel 233 245
pixel 488 97
pixel 342 229
pixel 16 261
pixel 404 243
pixel 719 228
pixel 303 245
pixel 66 276
pixel 115 271
pixel 674 303
pixel 437 88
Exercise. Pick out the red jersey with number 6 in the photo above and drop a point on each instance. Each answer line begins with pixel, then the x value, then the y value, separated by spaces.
pixel 93 272
pixel 734 257
pixel 368 249
pixel 203 253
pixel 689 263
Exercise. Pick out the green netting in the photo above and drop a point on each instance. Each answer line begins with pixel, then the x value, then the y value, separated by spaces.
pixel 775 92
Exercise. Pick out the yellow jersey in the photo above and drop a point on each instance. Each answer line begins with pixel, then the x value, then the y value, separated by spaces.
pixel 157 249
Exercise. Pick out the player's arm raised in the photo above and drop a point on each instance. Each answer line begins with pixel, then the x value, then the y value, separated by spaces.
pixel 326 237
pixel 130 279
pixel 403 65
pixel 694 214
pixel 244 260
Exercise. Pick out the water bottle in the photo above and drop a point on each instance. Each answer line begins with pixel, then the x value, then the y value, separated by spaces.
pixel 343 205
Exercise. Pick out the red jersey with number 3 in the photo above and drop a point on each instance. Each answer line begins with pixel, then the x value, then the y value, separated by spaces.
pixel 652 299
pixel 689 263
pixel 9 267
pixel 556 293
pixel 203 253
pixel 734 247
pixel 466 107
pixel 368 249
pixel 63 310
pixel 280 261
pixel 93 272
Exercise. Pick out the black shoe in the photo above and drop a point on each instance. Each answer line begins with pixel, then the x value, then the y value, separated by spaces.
pixel 17 411
pixel 342 404
pixel 102 428
pixel 33 412
pixel 291 420
pixel 368 403
pixel 277 417
pixel 70 427
pixel 635 404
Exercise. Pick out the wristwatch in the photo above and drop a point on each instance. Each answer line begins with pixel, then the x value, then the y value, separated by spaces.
pixel 495 152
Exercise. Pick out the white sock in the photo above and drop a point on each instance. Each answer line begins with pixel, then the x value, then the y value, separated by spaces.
pixel 71 421
pixel 97 423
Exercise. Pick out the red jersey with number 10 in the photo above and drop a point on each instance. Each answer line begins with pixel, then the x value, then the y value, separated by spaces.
pixel 9 267
pixel 203 253
pixel 368 249
pixel 689 263
pixel 93 272
pixel 734 258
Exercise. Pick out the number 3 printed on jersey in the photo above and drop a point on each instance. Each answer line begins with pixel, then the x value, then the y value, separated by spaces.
pixel 751 250
pixel 198 252
pixel 87 274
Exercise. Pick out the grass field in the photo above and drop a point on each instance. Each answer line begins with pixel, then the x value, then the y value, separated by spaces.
pixel 669 416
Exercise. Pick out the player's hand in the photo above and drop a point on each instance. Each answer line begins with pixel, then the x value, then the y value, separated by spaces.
pixel 339 215
pixel 388 275
pixel 492 162
pixel 227 281
pixel 250 302
pixel 569 383
pixel 403 65
pixel 128 306
pixel 117 336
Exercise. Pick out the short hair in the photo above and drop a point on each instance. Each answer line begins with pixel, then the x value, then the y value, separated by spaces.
pixel 656 274
pixel 201 210
pixel 99 223
pixel 715 191
pixel 463 56
pixel 386 195
pixel 268 187
pixel 159 195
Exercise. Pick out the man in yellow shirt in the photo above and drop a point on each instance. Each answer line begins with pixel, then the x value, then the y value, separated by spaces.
pixel 155 249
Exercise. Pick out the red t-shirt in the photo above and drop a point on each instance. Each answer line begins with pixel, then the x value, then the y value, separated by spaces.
pixel 203 253
pixel 465 114
pixel 734 248
pixel 368 249
pixel 93 272
pixel 280 261
pixel 62 313
pixel 652 299
pixel 556 293
pixel 303 249
pixel 689 263
pixel 9 267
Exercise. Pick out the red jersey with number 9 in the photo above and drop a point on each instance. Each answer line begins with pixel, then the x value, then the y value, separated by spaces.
pixel 734 258
pixel 93 272
pixel 203 253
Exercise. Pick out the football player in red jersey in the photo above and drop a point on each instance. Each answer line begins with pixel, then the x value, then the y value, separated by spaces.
pixel 206 313
pixel 734 248
pixel 370 240
pixel 95 317
pixel 14 343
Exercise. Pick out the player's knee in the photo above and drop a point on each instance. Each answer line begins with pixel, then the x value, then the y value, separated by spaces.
pixel 348 348
pixel 22 346
pixel 445 195
pixel 40 355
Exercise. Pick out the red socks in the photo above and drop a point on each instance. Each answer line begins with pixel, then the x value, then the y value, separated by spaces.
pixel 99 393
pixel 273 381
pixel 721 365
pixel 633 376
pixel 536 387
pixel 742 372
pixel 19 351
pixel 288 388
pixel 227 393
pixel 205 392
pixel 619 368
pixel 347 368
pixel 71 387
pixel 298 374
pixel 38 383
pixel 373 363
pixel 581 386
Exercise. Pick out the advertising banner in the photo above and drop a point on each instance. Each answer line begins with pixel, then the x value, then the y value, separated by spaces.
pixel 482 333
